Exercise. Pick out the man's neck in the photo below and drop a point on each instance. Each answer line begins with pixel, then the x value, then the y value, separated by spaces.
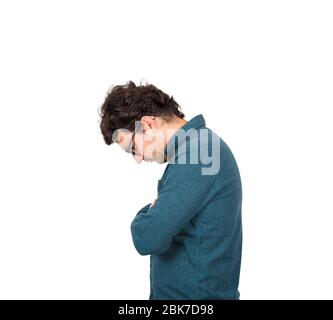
pixel 176 125
pixel 173 127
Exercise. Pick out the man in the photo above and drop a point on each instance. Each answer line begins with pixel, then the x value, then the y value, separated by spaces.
pixel 193 230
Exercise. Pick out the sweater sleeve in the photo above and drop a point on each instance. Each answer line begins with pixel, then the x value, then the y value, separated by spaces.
pixel 144 209
pixel 183 193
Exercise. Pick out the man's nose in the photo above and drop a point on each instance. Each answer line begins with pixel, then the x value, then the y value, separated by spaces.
pixel 138 158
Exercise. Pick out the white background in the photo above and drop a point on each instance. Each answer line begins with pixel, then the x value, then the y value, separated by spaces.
pixel 260 72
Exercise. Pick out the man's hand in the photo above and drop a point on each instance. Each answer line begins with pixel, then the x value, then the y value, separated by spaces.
pixel 153 203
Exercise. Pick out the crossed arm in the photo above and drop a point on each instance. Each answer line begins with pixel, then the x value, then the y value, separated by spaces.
pixel 183 193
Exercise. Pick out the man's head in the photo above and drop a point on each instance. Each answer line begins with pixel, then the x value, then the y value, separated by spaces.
pixel 140 119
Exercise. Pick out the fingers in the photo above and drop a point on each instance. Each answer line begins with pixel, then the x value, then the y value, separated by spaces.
pixel 153 203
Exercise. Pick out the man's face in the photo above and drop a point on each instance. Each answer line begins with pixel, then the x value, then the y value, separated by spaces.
pixel 147 145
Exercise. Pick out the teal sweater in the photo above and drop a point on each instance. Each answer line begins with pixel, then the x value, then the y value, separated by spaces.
pixel 193 233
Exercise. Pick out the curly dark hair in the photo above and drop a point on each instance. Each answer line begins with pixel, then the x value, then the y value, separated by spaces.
pixel 125 104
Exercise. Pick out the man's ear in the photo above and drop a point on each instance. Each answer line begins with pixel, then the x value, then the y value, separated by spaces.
pixel 148 122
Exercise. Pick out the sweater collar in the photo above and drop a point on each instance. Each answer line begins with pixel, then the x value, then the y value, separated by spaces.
pixel 195 123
